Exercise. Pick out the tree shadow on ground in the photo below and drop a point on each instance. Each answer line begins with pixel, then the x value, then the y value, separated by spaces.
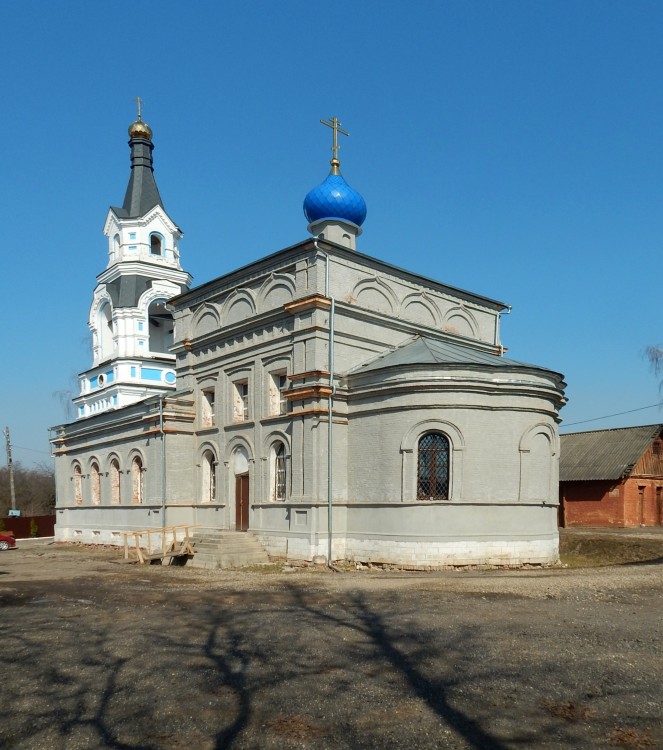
pixel 143 667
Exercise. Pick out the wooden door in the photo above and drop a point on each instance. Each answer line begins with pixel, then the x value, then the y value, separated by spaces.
pixel 242 502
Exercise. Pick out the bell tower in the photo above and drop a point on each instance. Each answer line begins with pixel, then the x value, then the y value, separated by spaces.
pixel 132 328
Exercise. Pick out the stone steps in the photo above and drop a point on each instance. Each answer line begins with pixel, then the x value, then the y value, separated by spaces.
pixel 221 549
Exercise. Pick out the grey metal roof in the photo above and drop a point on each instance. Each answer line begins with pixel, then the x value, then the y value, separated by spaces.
pixel 142 191
pixel 125 291
pixel 425 351
pixel 230 279
pixel 604 454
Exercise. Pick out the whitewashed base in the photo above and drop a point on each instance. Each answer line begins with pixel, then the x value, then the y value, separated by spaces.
pixel 420 555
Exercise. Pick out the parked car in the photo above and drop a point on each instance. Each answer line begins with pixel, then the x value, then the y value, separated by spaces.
pixel 7 541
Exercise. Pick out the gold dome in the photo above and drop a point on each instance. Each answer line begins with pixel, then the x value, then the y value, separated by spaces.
pixel 140 129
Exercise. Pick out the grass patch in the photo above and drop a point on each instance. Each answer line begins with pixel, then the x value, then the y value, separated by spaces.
pixel 597 551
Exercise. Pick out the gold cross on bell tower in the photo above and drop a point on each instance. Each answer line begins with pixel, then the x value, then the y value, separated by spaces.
pixel 335 124
pixel 139 102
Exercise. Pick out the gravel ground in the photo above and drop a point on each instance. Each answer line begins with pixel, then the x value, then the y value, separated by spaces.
pixel 99 655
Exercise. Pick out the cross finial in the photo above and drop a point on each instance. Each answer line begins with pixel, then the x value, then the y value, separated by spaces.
pixel 335 124
pixel 138 101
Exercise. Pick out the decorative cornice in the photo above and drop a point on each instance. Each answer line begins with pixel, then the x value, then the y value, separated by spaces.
pixel 308 374
pixel 313 391
pixel 313 302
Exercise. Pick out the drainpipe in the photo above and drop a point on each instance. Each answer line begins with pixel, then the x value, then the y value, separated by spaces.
pixel 498 343
pixel 330 408
pixel 163 464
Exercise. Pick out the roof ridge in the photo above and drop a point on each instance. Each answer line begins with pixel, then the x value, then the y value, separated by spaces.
pixel 658 425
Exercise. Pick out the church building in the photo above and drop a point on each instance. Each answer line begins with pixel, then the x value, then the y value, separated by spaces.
pixel 327 402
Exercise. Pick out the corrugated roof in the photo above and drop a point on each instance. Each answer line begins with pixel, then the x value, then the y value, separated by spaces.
pixel 604 454
pixel 425 351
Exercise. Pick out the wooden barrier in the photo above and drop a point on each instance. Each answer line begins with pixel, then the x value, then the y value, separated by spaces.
pixel 145 553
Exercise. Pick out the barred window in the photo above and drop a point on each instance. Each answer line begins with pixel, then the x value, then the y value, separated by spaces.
pixel 433 467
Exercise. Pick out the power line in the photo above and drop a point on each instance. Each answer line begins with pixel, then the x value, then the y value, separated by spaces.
pixel 607 416
pixel 33 450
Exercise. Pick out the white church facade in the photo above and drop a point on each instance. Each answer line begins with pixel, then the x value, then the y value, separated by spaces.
pixel 329 403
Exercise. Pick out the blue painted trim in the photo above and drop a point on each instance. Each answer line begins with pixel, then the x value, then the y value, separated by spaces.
pixel 150 373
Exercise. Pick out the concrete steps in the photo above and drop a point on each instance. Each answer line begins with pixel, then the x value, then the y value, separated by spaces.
pixel 219 549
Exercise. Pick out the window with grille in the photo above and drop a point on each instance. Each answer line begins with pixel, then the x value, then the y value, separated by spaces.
pixel 433 467
pixel 280 473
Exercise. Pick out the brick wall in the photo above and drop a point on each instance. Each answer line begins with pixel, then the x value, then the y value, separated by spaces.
pixel 592 504
pixel 634 502
pixel 643 505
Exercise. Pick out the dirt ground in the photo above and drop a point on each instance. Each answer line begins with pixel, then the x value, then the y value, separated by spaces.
pixel 100 655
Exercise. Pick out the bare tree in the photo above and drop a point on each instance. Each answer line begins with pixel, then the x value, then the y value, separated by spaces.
pixel 35 489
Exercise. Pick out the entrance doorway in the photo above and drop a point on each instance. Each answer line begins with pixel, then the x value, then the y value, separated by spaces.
pixel 242 502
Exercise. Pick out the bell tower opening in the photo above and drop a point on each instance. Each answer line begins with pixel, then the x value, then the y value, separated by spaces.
pixel 161 327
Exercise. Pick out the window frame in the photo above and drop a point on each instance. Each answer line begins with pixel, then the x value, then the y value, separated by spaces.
pixel 432 479
pixel 208 406
pixel 280 473
pixel 137 485
pixel 162 244
pixel 241 395
pixel 116 491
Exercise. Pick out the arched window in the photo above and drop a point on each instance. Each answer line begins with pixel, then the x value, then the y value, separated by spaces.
pixel 78 485
pixel 105 331
pixel 137 480
pixel 115 481
pixel 208 466
pixel 156 244
pixel 433 467
pixel 116 246
pixel 160 327
pixel 280 473
pixel 95 483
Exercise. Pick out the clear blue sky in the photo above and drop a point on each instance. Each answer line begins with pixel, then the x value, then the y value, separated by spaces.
pixel 511 148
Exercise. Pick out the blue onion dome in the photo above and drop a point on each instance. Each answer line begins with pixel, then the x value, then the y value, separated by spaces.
pixel 335 199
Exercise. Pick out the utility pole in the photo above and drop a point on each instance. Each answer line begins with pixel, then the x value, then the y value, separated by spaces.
pixel 10 467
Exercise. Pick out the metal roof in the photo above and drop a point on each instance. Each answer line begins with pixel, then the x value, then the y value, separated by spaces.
pixel 142 191
pixel 604 454
pixel 425 351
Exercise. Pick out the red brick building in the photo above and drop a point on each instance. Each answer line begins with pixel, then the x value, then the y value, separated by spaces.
pixel 612 477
